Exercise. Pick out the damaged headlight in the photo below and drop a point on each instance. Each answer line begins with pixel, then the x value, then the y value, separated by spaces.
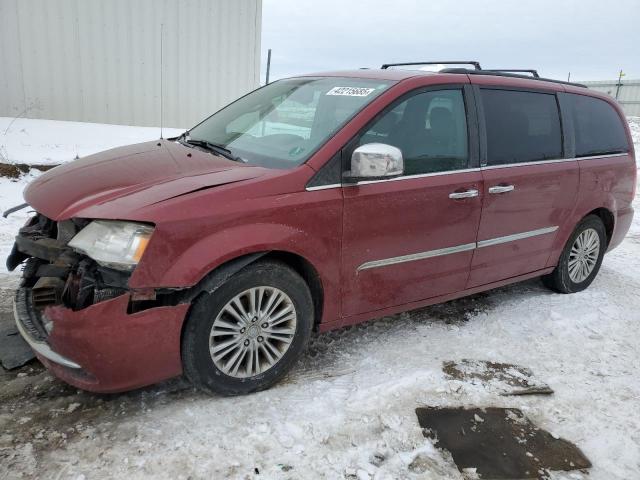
pixel 113 244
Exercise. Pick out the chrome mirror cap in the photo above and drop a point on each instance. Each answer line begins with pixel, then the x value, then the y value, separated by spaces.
pixel 375 161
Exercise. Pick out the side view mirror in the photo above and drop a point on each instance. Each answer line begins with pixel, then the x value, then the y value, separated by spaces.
pixel 375 161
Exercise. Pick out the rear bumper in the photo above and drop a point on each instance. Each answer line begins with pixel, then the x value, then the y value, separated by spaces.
pixel 102 348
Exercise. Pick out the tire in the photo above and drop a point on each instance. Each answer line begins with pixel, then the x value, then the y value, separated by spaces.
pixel 241 335
pixel 562 279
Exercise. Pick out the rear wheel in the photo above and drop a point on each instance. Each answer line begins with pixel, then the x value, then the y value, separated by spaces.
pixel 581 258
pixel 248 333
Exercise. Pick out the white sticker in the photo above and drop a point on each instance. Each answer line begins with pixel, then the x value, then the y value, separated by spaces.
pixel 350 91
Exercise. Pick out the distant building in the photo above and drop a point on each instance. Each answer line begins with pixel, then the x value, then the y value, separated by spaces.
pixel 627 93
pixel 99 61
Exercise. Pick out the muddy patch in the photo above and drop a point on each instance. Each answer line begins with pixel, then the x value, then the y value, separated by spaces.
pixel 15 170
pixel 460 310
pixel 506 378
pixel 42 413
pixel 499 443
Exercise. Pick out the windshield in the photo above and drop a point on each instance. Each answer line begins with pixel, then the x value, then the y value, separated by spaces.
pixel 282 124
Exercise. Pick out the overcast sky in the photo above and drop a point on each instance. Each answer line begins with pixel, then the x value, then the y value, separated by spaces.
pixel 592 39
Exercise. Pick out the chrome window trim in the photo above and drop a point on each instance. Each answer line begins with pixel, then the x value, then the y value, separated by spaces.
pixel 595 157
pixel 456 249
pixel 323 187
pixel 555 160
pixel 465 170
pixel 516 236
pixel 411 177
pixel 417 256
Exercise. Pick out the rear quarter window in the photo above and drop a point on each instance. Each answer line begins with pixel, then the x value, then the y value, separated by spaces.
pixel 598 127
pixel 521 126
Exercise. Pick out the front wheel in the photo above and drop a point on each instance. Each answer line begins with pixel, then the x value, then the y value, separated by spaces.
pixel 581 258
pixel 248 333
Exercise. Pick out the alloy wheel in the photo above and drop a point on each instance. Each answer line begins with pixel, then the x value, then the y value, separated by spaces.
pixel 583 256
pixel 252 332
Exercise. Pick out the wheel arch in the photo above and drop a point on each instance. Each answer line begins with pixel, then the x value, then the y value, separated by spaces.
pixel 604 213
pixel 607 219
pixel 220 274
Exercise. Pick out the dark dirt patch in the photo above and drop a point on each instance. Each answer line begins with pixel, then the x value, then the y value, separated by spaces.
pixel 15 170
pixel 499 443
pixel 496 373
pixel 14 351
pixel 460 310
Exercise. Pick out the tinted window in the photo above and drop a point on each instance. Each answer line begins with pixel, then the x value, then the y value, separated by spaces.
pixel 521 126
pixel 430 128
pixel 598 127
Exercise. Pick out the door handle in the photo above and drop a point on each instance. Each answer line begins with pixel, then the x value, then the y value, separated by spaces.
pixel 501 189
pixel 465 194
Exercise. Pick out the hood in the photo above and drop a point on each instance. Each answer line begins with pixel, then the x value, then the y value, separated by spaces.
pixel 131 177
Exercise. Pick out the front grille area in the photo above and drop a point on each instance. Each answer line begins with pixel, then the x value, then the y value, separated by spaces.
pixel 29 317
pixel 54 274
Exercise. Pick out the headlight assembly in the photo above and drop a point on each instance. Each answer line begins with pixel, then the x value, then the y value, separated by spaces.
pixel 113 244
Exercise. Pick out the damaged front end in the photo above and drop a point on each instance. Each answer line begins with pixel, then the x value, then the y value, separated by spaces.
pixel 81 318
pixel 57 275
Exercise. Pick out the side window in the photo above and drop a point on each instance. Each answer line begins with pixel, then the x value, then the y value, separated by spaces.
pixel 598 127
pixel 430 128
pixel 521 126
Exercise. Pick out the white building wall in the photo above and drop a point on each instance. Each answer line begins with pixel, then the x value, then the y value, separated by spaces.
pixel 628 94
pixel 99 60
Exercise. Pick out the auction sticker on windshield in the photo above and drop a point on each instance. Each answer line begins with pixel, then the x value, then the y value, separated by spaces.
pixel 350 91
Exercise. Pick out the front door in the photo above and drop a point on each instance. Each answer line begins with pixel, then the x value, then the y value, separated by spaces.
pixel 412 238
pixel 529 188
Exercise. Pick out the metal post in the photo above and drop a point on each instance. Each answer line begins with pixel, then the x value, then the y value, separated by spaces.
pixel 268 65
pixel 161 72
pixel 619 83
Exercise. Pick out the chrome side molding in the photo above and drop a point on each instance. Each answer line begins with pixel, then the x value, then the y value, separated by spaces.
pixel 457 249
pixel 417 256
pixel 516 236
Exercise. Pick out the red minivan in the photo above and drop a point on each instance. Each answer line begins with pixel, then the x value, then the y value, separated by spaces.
pixel 313 203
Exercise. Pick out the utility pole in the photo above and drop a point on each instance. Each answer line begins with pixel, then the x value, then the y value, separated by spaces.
pixel 268 66
pixel 619 83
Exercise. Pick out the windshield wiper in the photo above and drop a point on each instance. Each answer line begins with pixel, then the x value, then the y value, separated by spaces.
pixel 214 147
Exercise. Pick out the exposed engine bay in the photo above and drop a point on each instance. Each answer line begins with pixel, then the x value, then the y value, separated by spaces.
pixel 56 274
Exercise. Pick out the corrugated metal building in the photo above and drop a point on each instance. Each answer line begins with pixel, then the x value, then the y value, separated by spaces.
pixel 628 93
pixel 99 60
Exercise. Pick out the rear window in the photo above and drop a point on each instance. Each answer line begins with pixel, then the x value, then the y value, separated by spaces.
pixel 598 127
pixel 521 126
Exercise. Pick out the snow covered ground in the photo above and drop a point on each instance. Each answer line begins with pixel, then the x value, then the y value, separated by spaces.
pixel 347 410
pixel 50 142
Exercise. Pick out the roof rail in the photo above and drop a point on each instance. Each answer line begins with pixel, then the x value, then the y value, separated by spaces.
pixel 477 70
pixel 503 73
pixel 514 70
pixel 517 75
pixel 475 64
